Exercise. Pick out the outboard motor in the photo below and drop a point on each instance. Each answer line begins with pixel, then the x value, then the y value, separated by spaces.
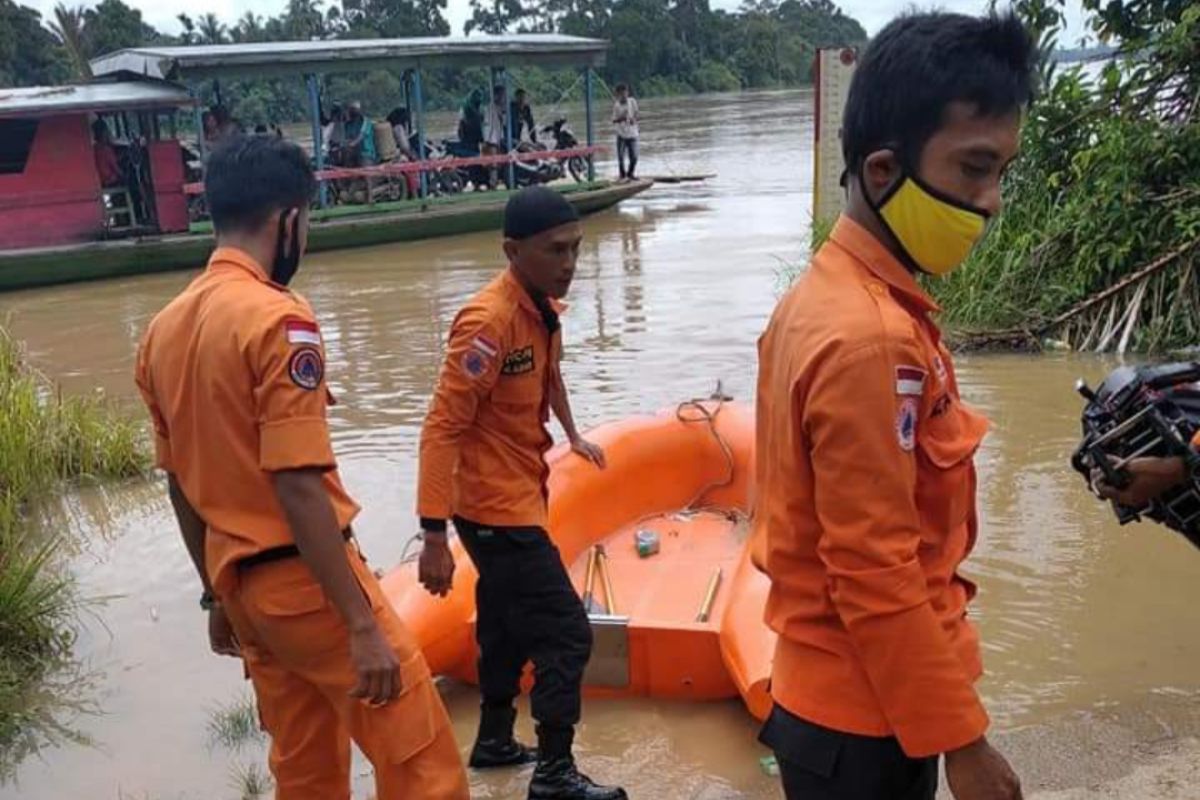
pixel 1141 411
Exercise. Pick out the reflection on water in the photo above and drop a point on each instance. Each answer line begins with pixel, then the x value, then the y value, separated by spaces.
pixel 672 291
pixel 53 715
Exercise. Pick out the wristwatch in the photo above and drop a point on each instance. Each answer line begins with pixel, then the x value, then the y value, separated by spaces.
pixel 207 601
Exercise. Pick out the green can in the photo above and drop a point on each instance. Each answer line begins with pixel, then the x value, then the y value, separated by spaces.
pixel 646 542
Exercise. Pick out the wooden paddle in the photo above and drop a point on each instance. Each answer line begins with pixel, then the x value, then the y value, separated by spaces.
pixel 589 600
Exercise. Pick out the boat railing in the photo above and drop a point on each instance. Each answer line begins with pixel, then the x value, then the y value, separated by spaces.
pixel 438 164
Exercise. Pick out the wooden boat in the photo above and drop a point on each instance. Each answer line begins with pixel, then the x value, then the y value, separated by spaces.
pixel 685 623
pixel 58 224
pixel 399 222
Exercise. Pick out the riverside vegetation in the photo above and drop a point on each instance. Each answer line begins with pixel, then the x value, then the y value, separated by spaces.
pixel 47 441
pixel 1097 248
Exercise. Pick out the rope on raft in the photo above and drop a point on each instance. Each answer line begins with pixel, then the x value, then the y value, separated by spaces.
pixel 696 410
pixel 703 414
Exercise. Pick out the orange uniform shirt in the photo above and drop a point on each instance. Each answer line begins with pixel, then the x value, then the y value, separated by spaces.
pixel 484 442
pixel 866 504
pixel 233 371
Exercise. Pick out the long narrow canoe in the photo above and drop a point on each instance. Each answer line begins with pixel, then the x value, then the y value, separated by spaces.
pixel 401 222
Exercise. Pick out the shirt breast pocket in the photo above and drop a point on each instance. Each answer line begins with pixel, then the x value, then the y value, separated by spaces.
pixel 946 446
pixel 517 391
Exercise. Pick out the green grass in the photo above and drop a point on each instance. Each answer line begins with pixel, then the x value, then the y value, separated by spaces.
pixel 235 725
pixel 788 271
pixel 47 440
pixel 251 781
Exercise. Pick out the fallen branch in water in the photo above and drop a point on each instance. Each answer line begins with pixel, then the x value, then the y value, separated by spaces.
pixel 1030 336
pixel 1140 275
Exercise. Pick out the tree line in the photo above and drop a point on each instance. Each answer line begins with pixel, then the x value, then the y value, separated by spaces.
pixel 657 46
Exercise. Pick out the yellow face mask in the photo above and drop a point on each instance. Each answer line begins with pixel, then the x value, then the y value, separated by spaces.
pixel 937 232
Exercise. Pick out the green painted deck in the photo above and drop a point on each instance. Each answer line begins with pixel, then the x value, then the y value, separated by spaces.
pixel 333 229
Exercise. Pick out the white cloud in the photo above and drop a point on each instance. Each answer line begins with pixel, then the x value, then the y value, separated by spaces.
pixel 873 14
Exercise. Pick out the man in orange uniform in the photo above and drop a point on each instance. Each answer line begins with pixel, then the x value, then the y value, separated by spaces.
pixel 866 494
pixel 233 371
pixel 483 462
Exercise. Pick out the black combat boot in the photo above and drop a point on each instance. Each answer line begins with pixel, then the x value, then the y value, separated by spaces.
pixel 495 745
pixel 556 777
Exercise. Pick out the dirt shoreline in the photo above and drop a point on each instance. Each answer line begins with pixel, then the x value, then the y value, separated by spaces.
pixel 1151 753
pixel 1173 774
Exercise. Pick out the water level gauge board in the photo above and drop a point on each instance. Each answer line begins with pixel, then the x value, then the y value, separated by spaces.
pixel 834 69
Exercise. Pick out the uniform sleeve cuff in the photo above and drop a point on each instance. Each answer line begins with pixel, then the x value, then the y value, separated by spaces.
pixel 298 443
pixel 433 525
pixel 946 735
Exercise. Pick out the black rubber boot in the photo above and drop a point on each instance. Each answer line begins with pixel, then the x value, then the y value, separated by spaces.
pixel 495 746
pixel 557 778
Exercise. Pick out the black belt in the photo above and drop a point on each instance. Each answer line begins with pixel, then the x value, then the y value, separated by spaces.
pixel 278 553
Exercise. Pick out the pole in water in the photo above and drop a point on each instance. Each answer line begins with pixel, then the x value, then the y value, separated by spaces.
pixel 508 130
pixel 710 596
pixel 420 103
pixel 314 103
pixel 591 122
pixel 201 145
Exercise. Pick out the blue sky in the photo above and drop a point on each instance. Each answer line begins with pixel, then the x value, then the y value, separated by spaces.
pixel 873 14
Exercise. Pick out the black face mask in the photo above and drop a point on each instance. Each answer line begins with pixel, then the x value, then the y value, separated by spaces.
pixel 549 315
pixel 287 259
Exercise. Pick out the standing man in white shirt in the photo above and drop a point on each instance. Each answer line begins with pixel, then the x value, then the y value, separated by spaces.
pixel 495 130
pixel 625 122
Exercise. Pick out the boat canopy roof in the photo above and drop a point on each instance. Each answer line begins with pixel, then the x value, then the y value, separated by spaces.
pixel 49 101
pixel 340 55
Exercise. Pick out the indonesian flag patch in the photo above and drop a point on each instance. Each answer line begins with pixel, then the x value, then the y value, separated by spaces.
pixel 910 381
pixel 486 346
pixel 301 331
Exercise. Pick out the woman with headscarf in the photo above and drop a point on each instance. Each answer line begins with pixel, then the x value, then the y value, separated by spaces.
pixel 470 123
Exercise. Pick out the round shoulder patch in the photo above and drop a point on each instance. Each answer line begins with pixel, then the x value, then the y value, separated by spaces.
pixel 306 367
pixel 906 423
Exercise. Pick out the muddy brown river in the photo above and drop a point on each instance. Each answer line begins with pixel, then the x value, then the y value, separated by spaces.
pixel 1078 615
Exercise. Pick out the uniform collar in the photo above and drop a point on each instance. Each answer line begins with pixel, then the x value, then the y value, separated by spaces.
pixel 524 299
pixel 867 250
pixel 239 261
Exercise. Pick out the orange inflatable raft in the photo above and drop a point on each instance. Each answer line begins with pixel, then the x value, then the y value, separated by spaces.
pixel 684 623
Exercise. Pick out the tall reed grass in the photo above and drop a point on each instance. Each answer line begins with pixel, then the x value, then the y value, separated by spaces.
pixel 47 441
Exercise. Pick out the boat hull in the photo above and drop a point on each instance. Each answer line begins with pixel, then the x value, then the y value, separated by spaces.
pixel 20 269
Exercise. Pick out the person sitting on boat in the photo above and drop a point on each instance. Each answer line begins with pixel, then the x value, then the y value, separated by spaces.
pixel 208 123
pixel 360 138
pixel 470 123
pixel 400 121
pixel 233 374
pixel 866 489
pixel 495 125
pixel 108 163
pixel 495 131
pixel 482 463
pixel 521 113
pixel 333 134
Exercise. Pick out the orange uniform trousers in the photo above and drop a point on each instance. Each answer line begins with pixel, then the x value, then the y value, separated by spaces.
pixel 297 653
